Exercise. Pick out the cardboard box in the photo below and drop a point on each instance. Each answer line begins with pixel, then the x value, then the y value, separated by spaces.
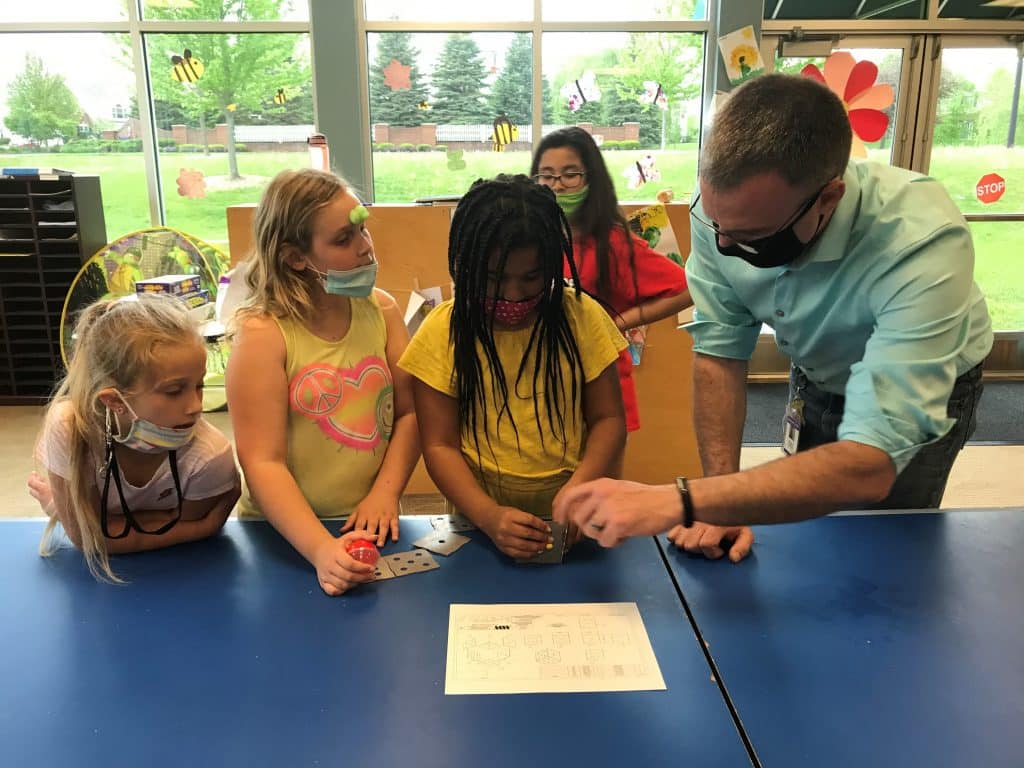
pixel 175 285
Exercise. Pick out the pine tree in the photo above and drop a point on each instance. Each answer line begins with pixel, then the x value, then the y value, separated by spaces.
pixel 396 107
pixel 459 82
pixel 512 92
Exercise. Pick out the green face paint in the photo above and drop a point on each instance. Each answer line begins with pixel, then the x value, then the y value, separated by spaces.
pixel 359 214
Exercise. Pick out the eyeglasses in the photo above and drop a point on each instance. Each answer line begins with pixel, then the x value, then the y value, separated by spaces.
pixel 754 246
pixel 569 179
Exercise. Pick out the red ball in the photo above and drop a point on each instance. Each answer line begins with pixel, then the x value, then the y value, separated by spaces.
pixel 362 550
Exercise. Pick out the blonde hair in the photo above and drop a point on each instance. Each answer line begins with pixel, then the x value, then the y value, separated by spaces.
pixel 115 346
pixel 285 218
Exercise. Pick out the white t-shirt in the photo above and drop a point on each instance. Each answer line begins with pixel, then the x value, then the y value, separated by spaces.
pixel 206 466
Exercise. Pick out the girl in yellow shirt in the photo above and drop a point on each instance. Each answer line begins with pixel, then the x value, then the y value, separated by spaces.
pixel 515 386
pixel 323 418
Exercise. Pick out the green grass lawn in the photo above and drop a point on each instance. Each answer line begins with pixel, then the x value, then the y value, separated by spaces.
pixel 402 176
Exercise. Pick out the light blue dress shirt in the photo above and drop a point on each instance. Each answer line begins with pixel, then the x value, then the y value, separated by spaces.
pixel 883 308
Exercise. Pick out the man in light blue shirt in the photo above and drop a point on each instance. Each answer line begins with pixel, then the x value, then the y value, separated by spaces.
pixel 865 272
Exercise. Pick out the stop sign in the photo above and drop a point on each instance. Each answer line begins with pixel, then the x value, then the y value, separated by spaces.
pixel 990 187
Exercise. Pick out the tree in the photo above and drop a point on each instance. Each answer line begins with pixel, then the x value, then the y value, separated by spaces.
pixel 40 106
pixel 242 71
pixel 512 92
pixel 994 104
pixel 956 114
pixel 396 107
pixel 459 83
pixel 671 59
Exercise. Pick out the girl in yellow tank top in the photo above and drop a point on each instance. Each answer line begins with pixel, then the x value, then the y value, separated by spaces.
pixel 322 416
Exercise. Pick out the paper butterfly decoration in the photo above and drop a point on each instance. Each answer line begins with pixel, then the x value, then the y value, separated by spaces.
pixel 579 92
pixel 455 161
pixel 641 172
pixel 396 76
pixel 654 94
pixel 854 82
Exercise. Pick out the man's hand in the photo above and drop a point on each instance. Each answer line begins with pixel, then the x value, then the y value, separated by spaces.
pixel 712 541
pixel 610 511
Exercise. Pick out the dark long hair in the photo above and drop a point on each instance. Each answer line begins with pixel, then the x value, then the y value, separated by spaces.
pixel 600 211
pixel 499 216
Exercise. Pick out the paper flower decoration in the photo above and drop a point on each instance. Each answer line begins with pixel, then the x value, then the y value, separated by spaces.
pixel 396 76
pixel 854 82
pixel 191 183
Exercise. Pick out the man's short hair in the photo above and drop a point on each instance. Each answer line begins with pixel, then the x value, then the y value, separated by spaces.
pixel 787 124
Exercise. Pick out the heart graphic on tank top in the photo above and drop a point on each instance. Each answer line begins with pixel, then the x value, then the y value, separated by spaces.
pixel 352 406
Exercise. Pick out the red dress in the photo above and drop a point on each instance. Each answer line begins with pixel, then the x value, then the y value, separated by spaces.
pixel 657 276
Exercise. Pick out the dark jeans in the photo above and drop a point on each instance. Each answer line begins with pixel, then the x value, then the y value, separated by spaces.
pixel 921 484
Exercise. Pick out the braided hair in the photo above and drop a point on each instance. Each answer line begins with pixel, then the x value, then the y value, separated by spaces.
pixel 494 218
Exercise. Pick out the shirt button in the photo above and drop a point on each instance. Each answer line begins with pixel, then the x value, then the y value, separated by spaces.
pixel 779 313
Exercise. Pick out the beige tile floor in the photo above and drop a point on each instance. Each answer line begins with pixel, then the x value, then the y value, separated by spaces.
pixel 983 476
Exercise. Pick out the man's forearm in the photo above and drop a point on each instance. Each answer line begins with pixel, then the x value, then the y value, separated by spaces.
pixel 719 411
pixel 829 478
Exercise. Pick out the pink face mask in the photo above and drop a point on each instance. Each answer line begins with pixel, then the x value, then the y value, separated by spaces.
pixel 512 313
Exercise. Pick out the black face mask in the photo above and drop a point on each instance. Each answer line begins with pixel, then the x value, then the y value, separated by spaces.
pixel 777 250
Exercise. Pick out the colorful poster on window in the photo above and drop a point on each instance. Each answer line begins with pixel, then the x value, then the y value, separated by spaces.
pixel 741 54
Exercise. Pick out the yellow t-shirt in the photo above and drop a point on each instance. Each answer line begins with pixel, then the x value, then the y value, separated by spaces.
pixel 429 358
pixel 340 410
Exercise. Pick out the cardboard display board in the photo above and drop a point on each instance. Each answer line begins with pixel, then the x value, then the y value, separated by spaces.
pixel 411 243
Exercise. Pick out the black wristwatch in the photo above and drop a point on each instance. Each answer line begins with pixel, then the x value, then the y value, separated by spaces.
pixel 684 495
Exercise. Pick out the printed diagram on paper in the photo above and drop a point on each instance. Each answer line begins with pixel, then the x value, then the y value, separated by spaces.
pixel 537 648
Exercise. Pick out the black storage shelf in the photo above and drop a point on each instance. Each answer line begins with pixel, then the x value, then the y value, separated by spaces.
pixel 41 251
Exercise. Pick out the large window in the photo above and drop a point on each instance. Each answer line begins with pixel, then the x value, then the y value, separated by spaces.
pixel 241 112
pixel 643 106
pixel 977 151
pixel 67 101
pixel 446 108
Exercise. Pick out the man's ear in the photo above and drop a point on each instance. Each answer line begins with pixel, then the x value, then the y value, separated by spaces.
pixel 832 194
pixel 294 258
pixel 111 399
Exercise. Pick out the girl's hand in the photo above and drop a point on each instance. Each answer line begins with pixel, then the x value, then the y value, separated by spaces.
pixel 516 533
pixel 39 489
pixel 336 570
pixel 378 515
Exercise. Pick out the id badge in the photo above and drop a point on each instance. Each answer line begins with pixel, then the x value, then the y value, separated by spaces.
pixel 791 425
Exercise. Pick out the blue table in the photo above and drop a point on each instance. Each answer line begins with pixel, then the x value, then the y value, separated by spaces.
pixel 872 640
pixel 227 653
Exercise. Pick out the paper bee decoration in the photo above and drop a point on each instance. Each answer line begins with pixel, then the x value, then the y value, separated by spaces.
pixel 280 97
pixel 579 92
pixel 641 172
pixel 504 133
pixel 424 105
pixel 654 94
pixel 187 68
